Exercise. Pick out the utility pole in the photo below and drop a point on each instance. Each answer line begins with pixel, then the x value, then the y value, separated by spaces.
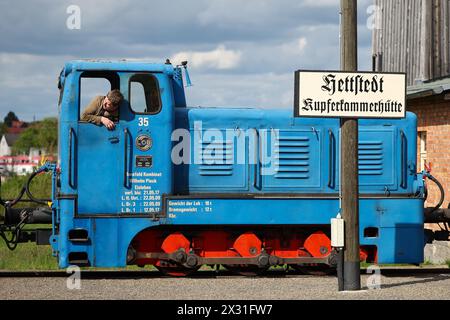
pixel 349 153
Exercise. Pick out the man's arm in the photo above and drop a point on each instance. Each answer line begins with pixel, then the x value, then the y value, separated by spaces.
pixel 89 114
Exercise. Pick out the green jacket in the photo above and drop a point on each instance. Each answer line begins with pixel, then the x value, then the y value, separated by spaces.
pixel 94 111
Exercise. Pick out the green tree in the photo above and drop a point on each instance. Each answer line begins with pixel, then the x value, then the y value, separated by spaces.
pixel 42 135
pixel 28 139
pixel 10 117
pixel 2 129
pixel 48 135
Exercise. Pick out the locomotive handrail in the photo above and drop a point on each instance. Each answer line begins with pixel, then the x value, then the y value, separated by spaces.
pixel 125 169
pixel 403 147
pixel 332 163
pixel 257 159
pixel 71 134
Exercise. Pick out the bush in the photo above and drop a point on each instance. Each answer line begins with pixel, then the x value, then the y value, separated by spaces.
pixel 42 135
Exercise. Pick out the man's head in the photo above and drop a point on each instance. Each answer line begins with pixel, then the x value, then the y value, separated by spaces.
pixel 112 100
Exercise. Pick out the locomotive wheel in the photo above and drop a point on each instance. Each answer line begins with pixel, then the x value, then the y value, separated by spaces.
pixel 174 270
pixel 247 245
pixel 246 270
pixel 314 269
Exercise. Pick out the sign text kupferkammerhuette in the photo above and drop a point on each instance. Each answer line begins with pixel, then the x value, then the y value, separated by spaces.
pixel 351 95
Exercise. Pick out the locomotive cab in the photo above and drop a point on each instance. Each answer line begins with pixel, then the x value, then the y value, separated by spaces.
pixel 107 179
pixel 129 167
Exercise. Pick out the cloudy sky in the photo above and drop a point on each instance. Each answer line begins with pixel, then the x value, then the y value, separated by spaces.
pixel 240 53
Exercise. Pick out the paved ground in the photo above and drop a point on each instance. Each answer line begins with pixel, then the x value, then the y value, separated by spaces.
pixel 418 286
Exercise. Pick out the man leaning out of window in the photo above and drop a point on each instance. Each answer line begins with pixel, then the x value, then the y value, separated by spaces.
pixel 104 110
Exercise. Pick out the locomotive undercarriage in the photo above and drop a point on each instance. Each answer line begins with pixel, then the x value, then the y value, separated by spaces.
pixel 249 251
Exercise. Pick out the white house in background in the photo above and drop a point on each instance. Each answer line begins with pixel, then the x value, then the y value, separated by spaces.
pixel 20 164
pixel 36 152
pixel 6 143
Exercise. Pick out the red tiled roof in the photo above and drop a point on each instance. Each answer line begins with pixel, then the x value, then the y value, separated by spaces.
pixel 15 130
pixel 18 124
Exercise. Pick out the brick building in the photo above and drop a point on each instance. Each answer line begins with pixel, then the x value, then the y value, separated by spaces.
pixel 430 101
pixel 414 37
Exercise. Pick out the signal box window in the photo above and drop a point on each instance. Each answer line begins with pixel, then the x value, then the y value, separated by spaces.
pixel 144 94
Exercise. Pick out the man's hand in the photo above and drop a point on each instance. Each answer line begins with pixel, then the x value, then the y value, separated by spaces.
pixel 108 123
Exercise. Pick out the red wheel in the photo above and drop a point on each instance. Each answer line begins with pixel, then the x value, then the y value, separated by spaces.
pixel 247 245
pixel 317 245
pixel 172 243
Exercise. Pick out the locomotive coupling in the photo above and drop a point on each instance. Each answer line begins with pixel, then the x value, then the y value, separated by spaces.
pixel 433 215
pixel 41 215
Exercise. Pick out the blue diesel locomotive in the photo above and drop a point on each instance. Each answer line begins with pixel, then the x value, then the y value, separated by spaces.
pixel 179 187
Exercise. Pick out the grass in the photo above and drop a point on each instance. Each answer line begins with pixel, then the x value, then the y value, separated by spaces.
pixel 366 265
pixel 27 256
pixel 31 257
pixel 427 263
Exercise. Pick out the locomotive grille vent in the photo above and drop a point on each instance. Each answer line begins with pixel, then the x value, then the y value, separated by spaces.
pixel 370 158
pixel 292 157
pixel 217 158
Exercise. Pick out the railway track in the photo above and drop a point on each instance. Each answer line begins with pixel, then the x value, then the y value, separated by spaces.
pixel 136 274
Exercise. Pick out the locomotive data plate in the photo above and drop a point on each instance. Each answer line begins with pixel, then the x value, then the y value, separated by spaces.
pixel 143 142
pixel 144 161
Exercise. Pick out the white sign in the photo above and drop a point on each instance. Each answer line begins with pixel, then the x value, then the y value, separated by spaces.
pixel 349 94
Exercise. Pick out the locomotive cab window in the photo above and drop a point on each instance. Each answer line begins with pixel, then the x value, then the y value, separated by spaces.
pixel 95 85
pixel 144 94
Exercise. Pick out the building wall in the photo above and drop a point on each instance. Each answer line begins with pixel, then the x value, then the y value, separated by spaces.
pixel 19 169
pixel 36 152
pixel 412 36
pixel 5 150
pixel 434 118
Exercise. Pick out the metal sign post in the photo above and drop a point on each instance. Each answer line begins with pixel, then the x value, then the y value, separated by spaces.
pixel 349 153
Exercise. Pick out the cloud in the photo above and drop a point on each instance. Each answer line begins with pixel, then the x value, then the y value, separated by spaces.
pixel 265 90
pixel 240 52
pixel 28 85
pixel 118 28
pixel 296 46
pixel 219 58
pixel 301 44
pixel 320 3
